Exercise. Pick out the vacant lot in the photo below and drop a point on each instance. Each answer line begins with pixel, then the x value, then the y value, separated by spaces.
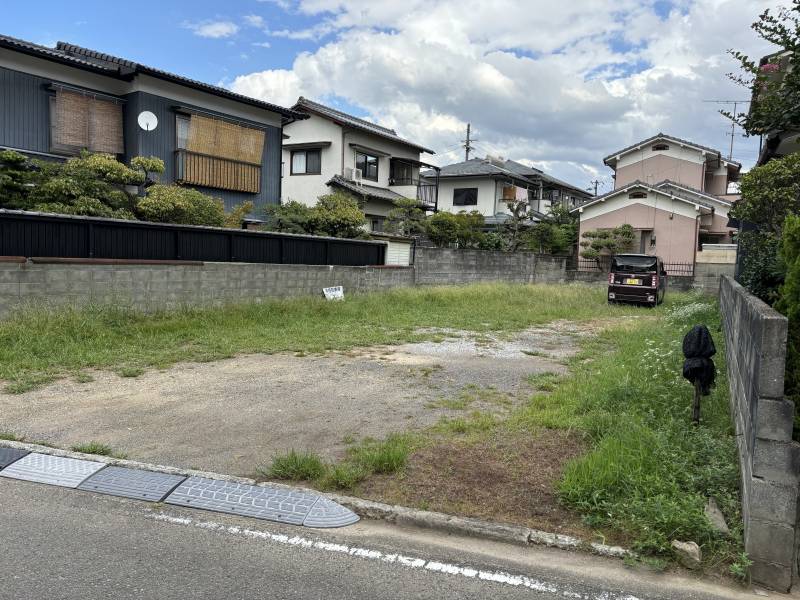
pixel 539 405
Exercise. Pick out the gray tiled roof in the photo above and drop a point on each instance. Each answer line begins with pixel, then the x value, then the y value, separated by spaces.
pixel 653 188
pixel 112 66
pixel 355 122
pixel 482 167
pixel 662 135
pixel 371 191
pixel 679 186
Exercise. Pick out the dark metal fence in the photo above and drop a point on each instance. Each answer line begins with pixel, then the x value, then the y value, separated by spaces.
pixel 45 235
pixel 603 264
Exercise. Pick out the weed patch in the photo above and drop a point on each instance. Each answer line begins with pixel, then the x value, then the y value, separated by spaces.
pixel 295 466
pixel 97 448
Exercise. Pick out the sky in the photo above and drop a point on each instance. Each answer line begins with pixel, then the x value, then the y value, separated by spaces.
pixel 556 85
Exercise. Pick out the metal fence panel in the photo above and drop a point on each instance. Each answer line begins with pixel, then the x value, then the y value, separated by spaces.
pixel 60 236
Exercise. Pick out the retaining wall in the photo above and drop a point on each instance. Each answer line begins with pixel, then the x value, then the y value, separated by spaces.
pixel 755 337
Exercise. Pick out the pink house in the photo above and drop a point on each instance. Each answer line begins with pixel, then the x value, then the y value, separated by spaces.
pixel 673 192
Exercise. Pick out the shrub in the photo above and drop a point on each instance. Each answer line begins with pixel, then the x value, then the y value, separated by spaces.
pixel 407 218
pixel 338 215
pixel 789 304
pixel 235 217
pixel 610 241
pixel 463 229
pixel 16 172
pixel 442 229
pixel 296 466
pixel 291 217
pixel 182 205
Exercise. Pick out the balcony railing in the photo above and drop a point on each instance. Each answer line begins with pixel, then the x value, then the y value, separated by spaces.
pixel 214 172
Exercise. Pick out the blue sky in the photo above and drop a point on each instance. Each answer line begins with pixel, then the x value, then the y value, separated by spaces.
pixel 558 87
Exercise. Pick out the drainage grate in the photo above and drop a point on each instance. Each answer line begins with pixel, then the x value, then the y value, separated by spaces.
pixel 10 455
pixel 272 504
pixel 327 513
pixel 132 483
pixel 55 470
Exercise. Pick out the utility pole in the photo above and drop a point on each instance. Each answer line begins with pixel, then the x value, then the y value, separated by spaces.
pixel 732 134
pixel 596 183
pixel 468 147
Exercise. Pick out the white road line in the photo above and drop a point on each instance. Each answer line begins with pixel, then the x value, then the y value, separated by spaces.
pixel 407 561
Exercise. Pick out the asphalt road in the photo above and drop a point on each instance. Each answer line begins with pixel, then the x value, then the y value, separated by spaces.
pixel 59 544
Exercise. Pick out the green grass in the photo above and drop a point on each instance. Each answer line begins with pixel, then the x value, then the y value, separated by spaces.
pixel 10 436
pixel 97 448
pixel 370 456
pixel 41 344
pixel 650 471
pixel 295 466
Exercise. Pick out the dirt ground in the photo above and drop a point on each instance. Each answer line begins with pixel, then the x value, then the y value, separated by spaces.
pixel 234 415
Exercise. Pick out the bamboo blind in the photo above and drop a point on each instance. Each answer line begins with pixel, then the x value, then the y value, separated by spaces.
pixel 222 139
pixel 82 121
pixel 220 173
pixel 231 158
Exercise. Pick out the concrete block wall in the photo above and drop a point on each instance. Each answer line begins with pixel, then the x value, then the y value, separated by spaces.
pixel 442 266
pixel 755 338
pixel 165 286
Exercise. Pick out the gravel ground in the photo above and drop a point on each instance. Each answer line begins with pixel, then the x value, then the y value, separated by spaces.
pixel 232 415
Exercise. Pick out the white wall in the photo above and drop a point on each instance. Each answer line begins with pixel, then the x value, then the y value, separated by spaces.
pixel 675 151
pixel 655 200
pixel 487 203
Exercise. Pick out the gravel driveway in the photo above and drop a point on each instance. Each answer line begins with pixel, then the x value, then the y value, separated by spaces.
pixel 232 415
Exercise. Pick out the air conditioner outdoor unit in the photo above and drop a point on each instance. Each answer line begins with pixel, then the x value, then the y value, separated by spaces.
pixel 353 175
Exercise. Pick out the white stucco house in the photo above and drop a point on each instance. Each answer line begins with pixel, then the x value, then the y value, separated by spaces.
pixel 332 151
pixel 487 184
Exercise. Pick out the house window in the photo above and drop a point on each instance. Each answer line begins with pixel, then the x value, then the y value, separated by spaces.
pixel 634 195
pixel 401 173
pixel 368 165
pixel 376 225
pixel 465 197
pixel 81 121
pixel 306 162
pixel 660 147
pixel 218 153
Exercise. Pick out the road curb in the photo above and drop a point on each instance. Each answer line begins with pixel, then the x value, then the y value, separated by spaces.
pixel 402 516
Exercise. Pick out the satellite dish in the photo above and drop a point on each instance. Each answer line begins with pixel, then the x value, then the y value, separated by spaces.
pixel 147 120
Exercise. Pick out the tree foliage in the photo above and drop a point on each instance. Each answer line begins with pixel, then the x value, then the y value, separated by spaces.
pixel 775 88
pixel 770 193
pixel 557 233
pixel 597 242
pixel 463 229
pixel 338 215
pixel 789 304
pixel 407 218
pixel 98 185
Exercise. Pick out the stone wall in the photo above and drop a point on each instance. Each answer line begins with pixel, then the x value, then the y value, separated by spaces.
pixel 755 337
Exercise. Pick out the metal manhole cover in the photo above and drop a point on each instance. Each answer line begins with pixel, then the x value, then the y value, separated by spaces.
pixel 10 455
pixel 54 470
pixel 132 483
pixel 327 513
pixel 273 504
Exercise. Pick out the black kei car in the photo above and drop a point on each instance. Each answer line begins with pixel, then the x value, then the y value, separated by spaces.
pixel 637 278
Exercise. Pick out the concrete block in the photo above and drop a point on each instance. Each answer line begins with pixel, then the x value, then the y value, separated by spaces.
pixel 9 290
pixel 769 501
pixel 775 419
pixel 777 461
pixel 770 542
pixel 772 576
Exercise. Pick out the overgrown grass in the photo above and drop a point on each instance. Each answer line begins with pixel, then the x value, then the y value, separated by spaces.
pixel 650 471
pixel 41 344
pixel 370 456
pixel 296 466
pixel 97 448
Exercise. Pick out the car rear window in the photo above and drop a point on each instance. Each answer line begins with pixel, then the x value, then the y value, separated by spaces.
pixel 634 264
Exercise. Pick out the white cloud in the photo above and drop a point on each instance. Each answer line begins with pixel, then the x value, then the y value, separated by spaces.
pixel 262 44
pixel 562 85
pixel 282 4
pixel 255 21
pixel 213 29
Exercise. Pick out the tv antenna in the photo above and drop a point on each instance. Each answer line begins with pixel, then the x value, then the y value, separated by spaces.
pixel 732 134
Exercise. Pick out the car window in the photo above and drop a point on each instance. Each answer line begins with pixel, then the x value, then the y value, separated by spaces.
pixel 634 264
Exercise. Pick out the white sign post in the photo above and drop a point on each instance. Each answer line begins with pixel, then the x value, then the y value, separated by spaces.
pixel 333 293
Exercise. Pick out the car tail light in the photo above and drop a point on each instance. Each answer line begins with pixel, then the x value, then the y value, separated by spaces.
pixel 610 279
pixel 654 281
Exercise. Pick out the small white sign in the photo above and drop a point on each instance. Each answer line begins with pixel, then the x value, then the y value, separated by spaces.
pixel 334 293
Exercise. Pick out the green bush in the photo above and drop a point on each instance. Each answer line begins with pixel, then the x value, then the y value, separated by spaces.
pixel 338 215
pixel 789 304
pixel 464 229
pixel 291 217
pixel 181 205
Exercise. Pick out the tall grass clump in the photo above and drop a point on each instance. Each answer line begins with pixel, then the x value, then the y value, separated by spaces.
pixel 295 466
